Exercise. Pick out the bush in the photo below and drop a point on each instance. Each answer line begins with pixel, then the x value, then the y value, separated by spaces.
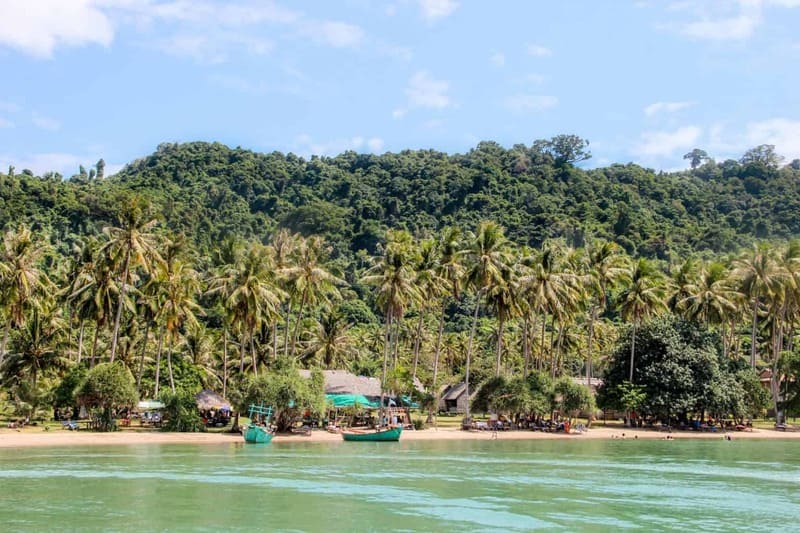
pixel 180 412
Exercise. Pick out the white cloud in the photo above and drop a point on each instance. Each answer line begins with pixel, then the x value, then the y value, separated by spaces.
pixel 6 123
pixel 37 28
pixel 498 59
pixel 45 123
pixel 375 145
pixel 63 163
pixel 666 107
pixel 538 79
pixel 423 91
pixel 530 102
pixel 666 143
pixel 782 132
pixel 436 9
pixel 733 28
pixel 306 145
pixel 725 20
pixel 537 50
pixel 336 34
pixel 9 107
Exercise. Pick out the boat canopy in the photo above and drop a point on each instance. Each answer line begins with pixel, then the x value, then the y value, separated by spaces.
pixel 348 400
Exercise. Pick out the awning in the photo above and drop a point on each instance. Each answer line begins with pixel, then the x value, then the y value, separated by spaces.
pixel 151 404
pixel 348 400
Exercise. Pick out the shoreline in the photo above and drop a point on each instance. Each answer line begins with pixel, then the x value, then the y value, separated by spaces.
pixel 37 437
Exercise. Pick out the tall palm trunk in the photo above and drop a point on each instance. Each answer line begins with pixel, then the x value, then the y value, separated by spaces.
pixel 141 356
pixel 169 363
pixel 437 352
pixel 241 353
pixel 386 348
pixel 526 350
pixel 225 361
pixel 469 347
pixel 158 360
pixel 253 351
pixel 633 350
pixel 417 341
pixel 120 304
pixel 286 332
pixel 299 318
pixel 80 340
pixel 592 318
pixel 540 362
pixel 500 330
pixel 94 344
pixel 753 334
pixel 5 342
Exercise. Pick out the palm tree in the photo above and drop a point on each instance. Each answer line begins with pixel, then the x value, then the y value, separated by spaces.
pixel 450 271
pixel 545 287
pixel 254 297
pixel 488 257
pixel 432 288
pixel 606 266
pixel 21 279
pixel 180 285
pixel 641 298
pixel 759 280
pixel 330 343
pixel 309 279
pixel 710 298
pixel 38 349
pixel 130 245
pixel 392 275
pixel 501 297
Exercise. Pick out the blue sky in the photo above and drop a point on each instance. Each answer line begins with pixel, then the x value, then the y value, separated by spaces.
pixel 643 81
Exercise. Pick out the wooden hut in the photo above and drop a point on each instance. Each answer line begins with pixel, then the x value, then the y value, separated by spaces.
pixel 215 410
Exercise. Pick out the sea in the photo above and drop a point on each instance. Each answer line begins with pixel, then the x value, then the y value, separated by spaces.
pixel 491 485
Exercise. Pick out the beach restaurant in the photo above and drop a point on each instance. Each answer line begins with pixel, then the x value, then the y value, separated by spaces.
pixel 214 409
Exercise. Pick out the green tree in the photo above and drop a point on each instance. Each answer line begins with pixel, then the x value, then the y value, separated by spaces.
pixel 130 245
pixel 487 256
pixel 108 387
pixel 641 298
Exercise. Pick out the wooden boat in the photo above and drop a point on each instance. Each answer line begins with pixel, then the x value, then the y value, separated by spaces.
pixel 385 434
pixel 258 431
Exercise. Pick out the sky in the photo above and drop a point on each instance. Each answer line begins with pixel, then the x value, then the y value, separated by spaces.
pixel 643 81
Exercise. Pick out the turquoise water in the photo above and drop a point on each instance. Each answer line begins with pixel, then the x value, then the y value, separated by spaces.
pixel 487 485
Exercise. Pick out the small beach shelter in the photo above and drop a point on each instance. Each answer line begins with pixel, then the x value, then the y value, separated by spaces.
pixel 208 400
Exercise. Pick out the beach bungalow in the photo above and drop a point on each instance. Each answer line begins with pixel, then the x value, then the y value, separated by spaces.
pixel 454 398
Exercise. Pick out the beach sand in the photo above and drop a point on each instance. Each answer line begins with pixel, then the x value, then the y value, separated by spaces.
pixel 38 437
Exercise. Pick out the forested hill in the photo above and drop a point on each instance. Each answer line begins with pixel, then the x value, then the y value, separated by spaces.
pixel 208 191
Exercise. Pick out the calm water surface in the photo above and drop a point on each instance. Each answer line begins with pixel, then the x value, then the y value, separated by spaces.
pixel 408 486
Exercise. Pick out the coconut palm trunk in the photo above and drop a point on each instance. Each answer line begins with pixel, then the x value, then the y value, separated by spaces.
pixel 120 304
pixel 158 361
pixel 469 347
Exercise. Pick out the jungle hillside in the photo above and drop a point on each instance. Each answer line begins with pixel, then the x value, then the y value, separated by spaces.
pixel 205 266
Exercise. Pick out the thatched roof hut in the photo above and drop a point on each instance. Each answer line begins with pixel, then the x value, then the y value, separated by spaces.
pixel 208 399
pixel 343 382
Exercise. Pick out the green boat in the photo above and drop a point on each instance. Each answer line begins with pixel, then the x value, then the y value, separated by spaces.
pixel 258 431
pixel 373 435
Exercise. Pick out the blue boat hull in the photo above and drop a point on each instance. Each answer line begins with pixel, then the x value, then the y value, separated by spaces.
pixel 257 434
pixel 383 435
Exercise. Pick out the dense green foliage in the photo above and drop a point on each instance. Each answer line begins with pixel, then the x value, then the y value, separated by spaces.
pixel 108 387
pixel 680 371
pixel 205 266
pixel 290 395
pixel 209 192
pixel 180 412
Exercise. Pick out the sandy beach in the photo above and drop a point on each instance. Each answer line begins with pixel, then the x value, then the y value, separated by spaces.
pixel 38 437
